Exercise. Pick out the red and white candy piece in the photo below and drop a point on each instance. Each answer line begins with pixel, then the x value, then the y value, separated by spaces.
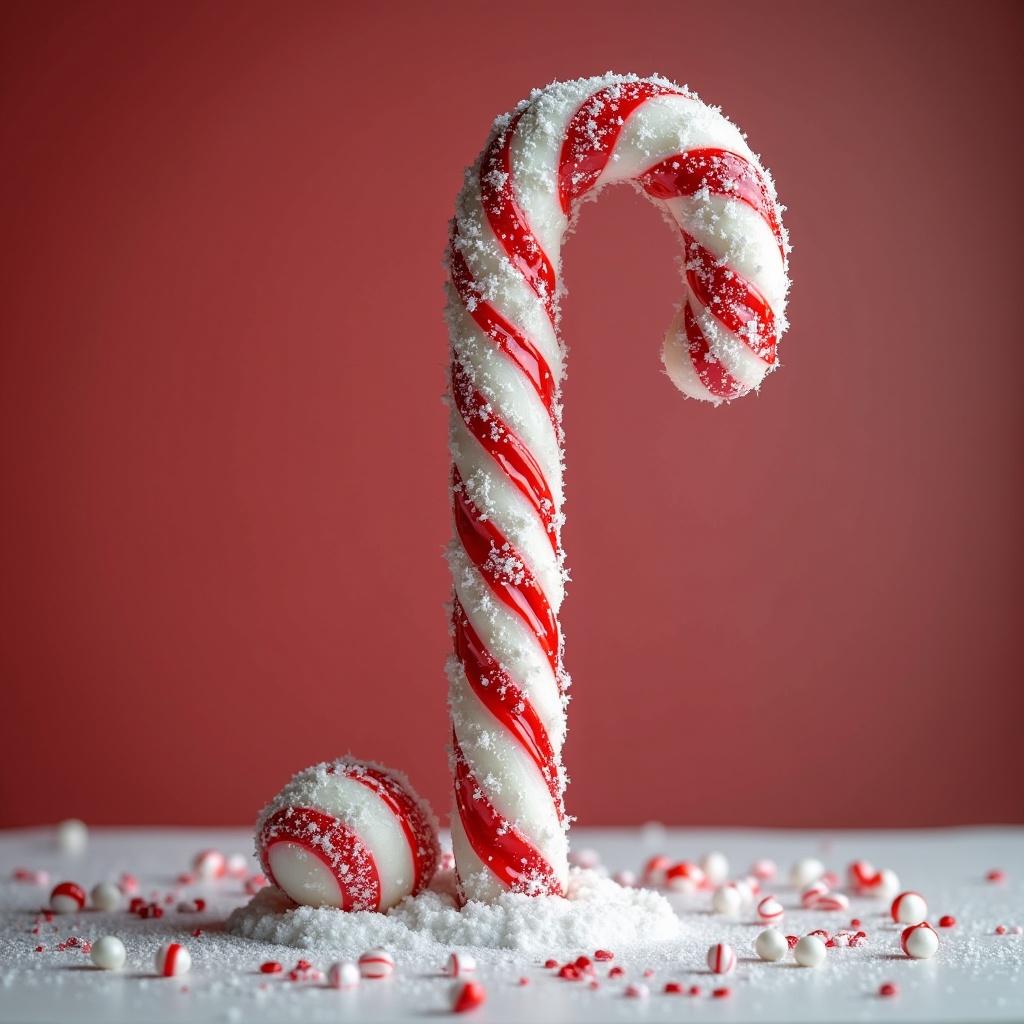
pixel 459 964
pixel 919 941
pixel 812 892
pixel 172 959
pixel 715 866
pixel 909 908
pixel 67 898
pixel 861 874
pixel 343 975
pixel 468 996
pixel 684 877
pixel 348 834
pixel 721 958
pixel 764 869
pixel 209 864
pixel 884 885
pixel 376 963
pixel 237 866
pixel 636 990
pixel 655 868
pixel 770 910
pixel 830 901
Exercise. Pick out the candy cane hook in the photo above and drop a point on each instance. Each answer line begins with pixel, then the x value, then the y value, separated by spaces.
pixel 507 683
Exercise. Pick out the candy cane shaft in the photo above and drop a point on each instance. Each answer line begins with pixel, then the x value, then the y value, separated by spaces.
pixel 507 681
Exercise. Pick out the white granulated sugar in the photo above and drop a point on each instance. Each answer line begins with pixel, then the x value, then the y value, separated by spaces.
pixel 597 913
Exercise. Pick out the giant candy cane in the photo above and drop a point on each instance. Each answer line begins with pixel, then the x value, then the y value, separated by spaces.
pixel 507 684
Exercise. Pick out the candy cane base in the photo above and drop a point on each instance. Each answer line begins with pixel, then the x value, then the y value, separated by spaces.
pixel 508 687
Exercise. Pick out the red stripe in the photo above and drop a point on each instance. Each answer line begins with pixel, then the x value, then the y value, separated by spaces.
pixel 506 448
pixel 509 223
pixel 509 705
pixel 721 173
pixel 496 841
pixel 712 372
pixel 333 844
pixel 419 833
pixel 482 540
pixel 171 959
pixel 732 301
pixel 592 132
pixel 505 335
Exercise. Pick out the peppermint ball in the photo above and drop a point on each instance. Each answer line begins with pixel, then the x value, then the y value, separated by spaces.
pixel 348 834
pixel 108 953
pixel 810 951
pixel 771 945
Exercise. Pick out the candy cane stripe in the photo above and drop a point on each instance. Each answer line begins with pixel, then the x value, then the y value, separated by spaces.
pixel 507 680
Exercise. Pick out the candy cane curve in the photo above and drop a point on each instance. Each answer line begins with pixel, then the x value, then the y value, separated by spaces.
pixel 508 688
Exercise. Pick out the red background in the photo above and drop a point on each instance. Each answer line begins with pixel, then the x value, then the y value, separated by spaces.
pixel 223 445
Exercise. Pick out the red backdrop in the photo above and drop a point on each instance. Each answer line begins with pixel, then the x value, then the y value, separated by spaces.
pixel 223 444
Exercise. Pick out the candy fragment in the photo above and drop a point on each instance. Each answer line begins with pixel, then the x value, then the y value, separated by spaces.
pixel 468 996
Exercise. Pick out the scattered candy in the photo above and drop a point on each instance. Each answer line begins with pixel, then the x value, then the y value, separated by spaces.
pixel 627 879
pixel 108 953
pixel 1017 930
pixel 128 884
pixel 721 993
pixel 947 921
pixel 459 964
pixel 209 864
pixel 343 975
pixel 31 876
pixel 254 883
pixel 67 898
pixel 172 959
pixel 919 941
pixel 684 877
pixel 765 870
pixel 376 963
pixel 810 951
pixel 468 997
pixel 909 908
pixel 549 963
pixel 792 940
pixel 1000 929
pixel 715 866
pixel 721 958
pixel 830 901
pixel 995 875
pixel 617 972
pixel 861 874
pixel 727 900
pixel 812 892
pixel 770 910
pixel 654 870
pixel 270 967
pixel 107 897
pixel 771 945
pixel 884 885
pixel 72 835
pixel 603 954
pixel 673 988
pixel 636 990
pixel 237 865
pixel 805 871
pixel 888 989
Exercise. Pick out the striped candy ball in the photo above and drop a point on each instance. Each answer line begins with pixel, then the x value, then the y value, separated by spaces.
pixel 721 958
pixel 67 898
pixel 770 911
pixel 348 834
pixel 376 963
pixel 172 959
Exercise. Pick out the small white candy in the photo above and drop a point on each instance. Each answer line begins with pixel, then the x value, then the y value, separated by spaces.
pixel 727 900
pixel 108 953
pixel 805 871
pixel 745 889
pixel 810 951
pixel 770 910
pixel 172 959
pixel 812 892
pixel 919 942
pixel 459 964
pixel 721 958
pixel 237 865
pixel 343 975
pixel 715 866
pixel 909 908
pixel 627 879
pixel 106 896
pixel 764 869
pixel 886 886
pixel 209 864
pixel 376 963
pixel 72 835
pixel 771 945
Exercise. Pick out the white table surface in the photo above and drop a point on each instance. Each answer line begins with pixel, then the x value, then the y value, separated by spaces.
pixel 976 976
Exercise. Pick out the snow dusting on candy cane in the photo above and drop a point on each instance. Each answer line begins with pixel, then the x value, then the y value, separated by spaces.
pixel 508 687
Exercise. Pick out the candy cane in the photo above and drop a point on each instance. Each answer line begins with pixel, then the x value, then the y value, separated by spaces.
pixel 507 684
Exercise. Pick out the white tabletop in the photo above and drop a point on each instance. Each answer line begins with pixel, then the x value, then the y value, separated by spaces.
pixel 976 975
